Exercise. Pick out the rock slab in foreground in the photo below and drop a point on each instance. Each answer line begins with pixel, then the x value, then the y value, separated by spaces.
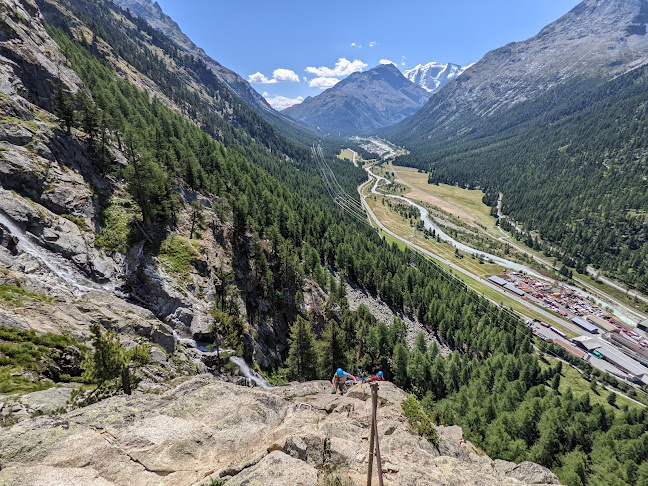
pixel 204 428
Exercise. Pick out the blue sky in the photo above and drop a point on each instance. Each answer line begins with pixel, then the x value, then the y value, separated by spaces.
pixel 291 49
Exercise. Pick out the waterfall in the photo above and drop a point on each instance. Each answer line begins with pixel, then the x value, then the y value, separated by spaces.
pixel 61 267
pixel 245 369
pixel 237 360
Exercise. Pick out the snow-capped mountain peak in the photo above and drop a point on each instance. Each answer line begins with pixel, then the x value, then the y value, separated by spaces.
pixel 434 75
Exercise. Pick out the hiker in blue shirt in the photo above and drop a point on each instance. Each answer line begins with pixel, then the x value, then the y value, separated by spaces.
pixel 339 378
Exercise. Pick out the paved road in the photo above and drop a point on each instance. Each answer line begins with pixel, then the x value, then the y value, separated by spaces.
pixel 611 283
pixel 597 292
pixel 551 318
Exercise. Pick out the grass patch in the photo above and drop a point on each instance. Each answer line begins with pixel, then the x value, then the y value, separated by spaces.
pixel 116 232
pixel 28 351
pixel 465 203
pixel 30 124
pixel 347 154
pixel 80 222
pixel 11 381
pixel 177 254
pixel 573 379
pixel 15 296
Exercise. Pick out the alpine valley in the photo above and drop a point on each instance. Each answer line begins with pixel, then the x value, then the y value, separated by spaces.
pixel 183 269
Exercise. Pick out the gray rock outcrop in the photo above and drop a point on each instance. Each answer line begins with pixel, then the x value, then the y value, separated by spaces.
pixel 205 428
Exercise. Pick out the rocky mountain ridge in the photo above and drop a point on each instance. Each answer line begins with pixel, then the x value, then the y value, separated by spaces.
pixel 362 102
pixel 155 16
pixel 597 40
pixel 200 429
pixel 433 76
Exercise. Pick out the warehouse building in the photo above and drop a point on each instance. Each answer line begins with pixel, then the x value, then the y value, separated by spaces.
pixel 588 343
pixel 635 371
pixel 583 324
pixel 498 280
pixel 601 323
pixel 514 289
pixel 643 325
pixel 570 349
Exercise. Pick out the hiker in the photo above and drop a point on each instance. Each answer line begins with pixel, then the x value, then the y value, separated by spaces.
pixel 339 378
pixel 377 377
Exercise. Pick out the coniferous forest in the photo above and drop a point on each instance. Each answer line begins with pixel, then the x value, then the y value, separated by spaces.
pixel 571 165
pixel 493 382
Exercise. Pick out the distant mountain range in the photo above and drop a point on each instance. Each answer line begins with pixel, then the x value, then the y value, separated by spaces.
pixel 433 76
pixel 362 102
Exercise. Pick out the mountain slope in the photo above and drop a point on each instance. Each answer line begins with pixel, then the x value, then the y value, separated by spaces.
pixel 598 39
pixel 433 76
pixel 362 102
pixel 152 13
pixel 561 137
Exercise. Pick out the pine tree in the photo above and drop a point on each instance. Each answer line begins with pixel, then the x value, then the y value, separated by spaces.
pixel 555 381
pixel 332 350
pixel 400 363
pixel 110 360
pixel 147 183
pixel 302 357
pixel 420 344
pixel 64 108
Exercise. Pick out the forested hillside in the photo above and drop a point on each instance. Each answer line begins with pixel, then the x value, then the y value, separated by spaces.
pixel 571 165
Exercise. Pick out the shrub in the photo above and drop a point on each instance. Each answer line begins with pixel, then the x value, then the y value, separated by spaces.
pixel 418 420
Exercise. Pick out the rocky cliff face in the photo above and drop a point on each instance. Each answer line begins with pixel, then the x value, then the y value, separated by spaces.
pixel 204 429
pixel 55 199
pixel 362 102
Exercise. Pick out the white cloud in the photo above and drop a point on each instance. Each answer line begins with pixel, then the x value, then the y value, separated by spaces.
pixel 355 44
pixel 285 75
pixel 277 76
pixel 373 44
pixel 259 78
pixel 343 67
pixel 387 61
pixel 403 63
pixel 323 82
pixel 281 102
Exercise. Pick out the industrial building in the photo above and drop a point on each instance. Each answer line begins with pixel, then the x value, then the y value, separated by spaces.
pixel 634 371
pixel 498 280
pixel 624 363
pixel 570 349
pixel 601 323
pixel 638 352
pixel 583 324
pixel 514 289
pixel 643 325
pixel 588 343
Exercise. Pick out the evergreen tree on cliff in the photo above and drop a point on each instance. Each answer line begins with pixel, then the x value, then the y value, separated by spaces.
pixel 302 357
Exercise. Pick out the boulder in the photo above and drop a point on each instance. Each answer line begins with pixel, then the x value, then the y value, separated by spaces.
pixel 47 401
pixel 306 447
pixel 277 469
pixel 532 473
